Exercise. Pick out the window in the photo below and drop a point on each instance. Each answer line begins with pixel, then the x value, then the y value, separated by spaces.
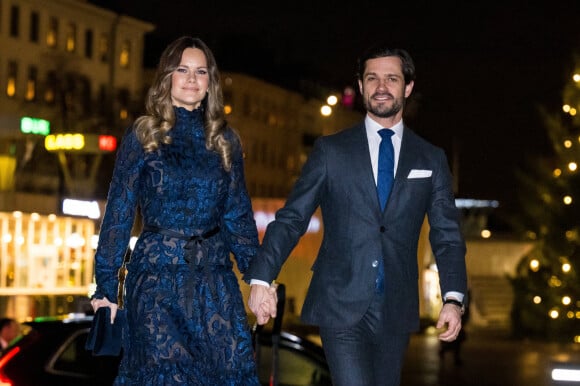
pixel 31 83
pixel 89 44
pixel 52 34
pixel 123 97
pixel 125 54
pixel 102 100
pixel 84 94
pixel 71 37
pixel 14 21
pixel 104 48
pixel 34 30
pixel 50 90
pixel 228 101
pixel 12 77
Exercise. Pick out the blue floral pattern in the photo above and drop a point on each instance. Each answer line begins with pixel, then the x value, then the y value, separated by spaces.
pixel 186 322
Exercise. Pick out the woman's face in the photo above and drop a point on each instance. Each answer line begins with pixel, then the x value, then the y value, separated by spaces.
pixel 190 80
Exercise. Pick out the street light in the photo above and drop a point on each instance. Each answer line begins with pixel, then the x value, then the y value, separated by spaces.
pixel 332 100
pixel 326 110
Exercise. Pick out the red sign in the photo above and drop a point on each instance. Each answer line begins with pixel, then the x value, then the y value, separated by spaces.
pixel 107 143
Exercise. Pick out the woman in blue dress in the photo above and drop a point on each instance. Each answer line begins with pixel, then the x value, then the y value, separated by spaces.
pixel 181 166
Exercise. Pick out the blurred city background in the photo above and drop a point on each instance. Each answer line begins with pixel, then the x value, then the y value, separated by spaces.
pixel 73 75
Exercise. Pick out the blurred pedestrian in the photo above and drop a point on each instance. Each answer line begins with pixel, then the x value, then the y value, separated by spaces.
pixel 9 330
pixel 364 290
pixel 182 166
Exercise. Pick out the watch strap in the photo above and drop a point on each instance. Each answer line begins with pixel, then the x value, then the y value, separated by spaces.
pixel 455 302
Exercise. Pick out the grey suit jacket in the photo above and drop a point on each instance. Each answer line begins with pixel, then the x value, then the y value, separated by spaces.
pixel 338 177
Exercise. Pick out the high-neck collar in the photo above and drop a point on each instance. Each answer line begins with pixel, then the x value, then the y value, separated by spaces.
pixel 182 112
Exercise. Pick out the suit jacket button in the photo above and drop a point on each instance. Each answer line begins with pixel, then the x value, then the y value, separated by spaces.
pixel 383 229
pixel 375 263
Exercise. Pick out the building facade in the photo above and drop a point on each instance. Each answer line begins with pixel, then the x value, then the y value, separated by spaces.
pixel 68 71
pixel 278 128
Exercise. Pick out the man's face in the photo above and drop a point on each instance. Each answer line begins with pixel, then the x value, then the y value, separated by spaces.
pixel 383 87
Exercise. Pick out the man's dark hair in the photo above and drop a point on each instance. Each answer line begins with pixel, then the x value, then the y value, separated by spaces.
pixel 381 51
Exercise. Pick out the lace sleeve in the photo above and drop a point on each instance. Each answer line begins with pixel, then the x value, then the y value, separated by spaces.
pixel 119 216
pixel 238 218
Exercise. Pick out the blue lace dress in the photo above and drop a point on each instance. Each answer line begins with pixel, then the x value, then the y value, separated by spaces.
pixel 186 319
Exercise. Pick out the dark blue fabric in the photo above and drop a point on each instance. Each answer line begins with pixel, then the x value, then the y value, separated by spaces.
pixel 386 173
pixel 385 179
pixel 367 353
pixel 177 332
pixel 380 281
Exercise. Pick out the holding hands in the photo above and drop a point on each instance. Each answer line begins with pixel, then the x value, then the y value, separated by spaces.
pixel 262 302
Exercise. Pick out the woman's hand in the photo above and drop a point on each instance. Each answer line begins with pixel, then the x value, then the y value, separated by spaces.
pixel 104 302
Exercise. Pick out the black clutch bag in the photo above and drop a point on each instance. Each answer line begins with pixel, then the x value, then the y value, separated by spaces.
pixel 105 337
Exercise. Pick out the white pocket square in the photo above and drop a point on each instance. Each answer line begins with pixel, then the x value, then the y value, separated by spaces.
pixel 419 173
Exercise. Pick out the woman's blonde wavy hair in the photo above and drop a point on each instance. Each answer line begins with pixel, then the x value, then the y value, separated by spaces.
pixel 153 127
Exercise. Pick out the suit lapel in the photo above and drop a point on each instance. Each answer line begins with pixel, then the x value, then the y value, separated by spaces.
pixel 406 156
pixel 361 163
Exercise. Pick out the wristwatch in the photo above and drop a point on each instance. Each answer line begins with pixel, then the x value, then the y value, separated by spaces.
pixel 457 303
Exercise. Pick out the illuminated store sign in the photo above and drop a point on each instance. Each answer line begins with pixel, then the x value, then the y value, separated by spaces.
pixel 83 143
pixel 30 125
pixel 88 209
pixel 107 143
pixel 64 142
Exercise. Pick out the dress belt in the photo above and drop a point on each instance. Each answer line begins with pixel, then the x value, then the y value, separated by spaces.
pixel 194 250
pixel 181 236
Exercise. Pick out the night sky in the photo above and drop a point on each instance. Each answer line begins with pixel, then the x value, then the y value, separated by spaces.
pixel 482 69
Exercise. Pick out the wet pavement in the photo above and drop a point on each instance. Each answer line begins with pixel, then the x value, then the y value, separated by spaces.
pixel 489 358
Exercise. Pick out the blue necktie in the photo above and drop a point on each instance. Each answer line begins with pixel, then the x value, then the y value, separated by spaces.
pixel 386 166
pixel 385 179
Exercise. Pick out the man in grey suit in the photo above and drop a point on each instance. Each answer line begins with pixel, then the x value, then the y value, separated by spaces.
pixel 364 290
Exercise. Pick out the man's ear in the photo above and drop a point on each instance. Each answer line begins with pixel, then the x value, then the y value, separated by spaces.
pixel 409 88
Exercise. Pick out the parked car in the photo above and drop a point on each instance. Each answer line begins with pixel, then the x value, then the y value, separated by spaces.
pixel 52 352
pixel 292 357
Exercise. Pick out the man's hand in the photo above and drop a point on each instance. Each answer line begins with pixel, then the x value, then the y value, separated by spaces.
pixel 104 302
pixel 450 316
pixel 263 301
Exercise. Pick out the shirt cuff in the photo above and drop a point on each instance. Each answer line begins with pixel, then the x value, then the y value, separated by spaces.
pixel 259 282
pixel 454 295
